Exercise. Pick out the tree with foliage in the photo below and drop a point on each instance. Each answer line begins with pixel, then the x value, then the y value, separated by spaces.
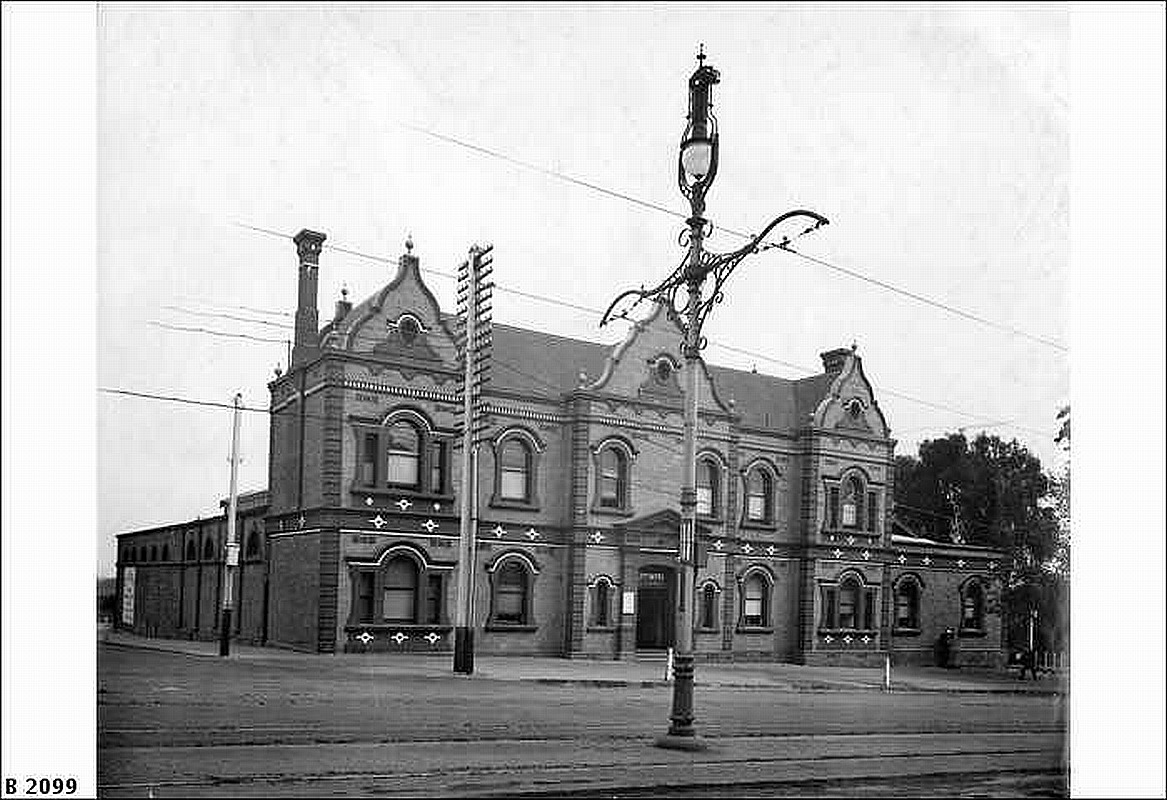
pixel 990 493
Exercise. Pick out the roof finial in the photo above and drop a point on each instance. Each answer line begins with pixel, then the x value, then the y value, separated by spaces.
pixel 701 54
pixel 854 345
pixel 344 291
pixel 409 242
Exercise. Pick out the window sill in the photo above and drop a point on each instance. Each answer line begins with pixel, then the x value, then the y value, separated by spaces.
pixel 708 630
pixel 754 629
pixel 403 491
pixel 905 632
pixel 757 525
pixel 710 519
pixel 381 625
pixel 847 631
pixel 506 627
pixel 971 633
pixel 602 629
pixel 513 505
pixel 612 512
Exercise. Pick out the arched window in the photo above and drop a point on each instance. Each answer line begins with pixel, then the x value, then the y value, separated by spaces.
pixel 511 596
pixel 756 600
pixel 400 595
pixel 972 607
pixel 708 487
pixel 602 603
pixel 209 550
pixel 707 604
pixel 759 491
pixel 613 478
pixel 514 471
pixel 192 553
pixel 402 455
pixel 849 605
pixel 907 604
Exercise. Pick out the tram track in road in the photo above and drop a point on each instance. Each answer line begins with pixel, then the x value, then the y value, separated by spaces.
pixel 523 766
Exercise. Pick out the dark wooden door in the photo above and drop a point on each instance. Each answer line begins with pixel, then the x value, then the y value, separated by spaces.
pixel 654 609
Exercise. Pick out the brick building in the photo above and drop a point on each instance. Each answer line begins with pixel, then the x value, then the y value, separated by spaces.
pixel 353 546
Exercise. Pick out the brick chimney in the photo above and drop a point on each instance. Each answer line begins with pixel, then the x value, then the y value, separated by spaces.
pixel 306 344
pixel 835 360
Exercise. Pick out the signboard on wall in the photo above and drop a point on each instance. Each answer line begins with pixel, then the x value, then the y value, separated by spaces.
pixel 128 579
pixel 629 603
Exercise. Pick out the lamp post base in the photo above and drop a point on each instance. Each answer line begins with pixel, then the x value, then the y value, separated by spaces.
pixel 693 743
pixel 464 650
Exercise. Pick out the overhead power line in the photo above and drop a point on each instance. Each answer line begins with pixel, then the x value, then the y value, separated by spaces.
pixel 234 317
pixel 599 312
pixel 741 234
pixel 210 332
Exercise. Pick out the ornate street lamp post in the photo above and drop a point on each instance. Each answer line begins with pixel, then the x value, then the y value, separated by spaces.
pixel 696 168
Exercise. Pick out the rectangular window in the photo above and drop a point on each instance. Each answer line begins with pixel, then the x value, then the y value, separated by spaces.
pixel 600 605
pixel 869 610
pixel 433 600
pixel 708 608
pixel 365 596
pixel 438 467
pixel 369 460
pixel 510 604
pixel 756 507
pixel 872 513
pixel 705 500
pixel 753 610
pixel 513 484
pixel 904 611
pixel 847 609
pixel 402 469
pixel 829 608
pixel 833 508
pixel 849 515
pixel 398 605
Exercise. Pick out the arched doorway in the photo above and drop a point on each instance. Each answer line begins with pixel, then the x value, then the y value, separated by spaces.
pixel 655 608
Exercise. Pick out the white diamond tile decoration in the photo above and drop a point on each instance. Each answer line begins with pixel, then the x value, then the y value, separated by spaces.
pixel 850 540
pixel 828 638
pixel 746 548
pixel 532 534
pixel 960 563
pixel 429 525
pixel 432 637
pixel 837 553
pixel 368 501
pixel 770 550
pixel 926 560
pixel 399 637
pixel 866 555
pixel 499 531
pixel 378 521
pixel 902 558
pixel 992 565
pixel 597 537
pixel 718 544
pixel 437 506
pixel 847 639
pixel 365 637
pixel 403 504
pixel 303 519
pixel 865 639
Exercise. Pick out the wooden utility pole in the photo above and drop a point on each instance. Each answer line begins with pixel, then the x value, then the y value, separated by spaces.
pixel 231 547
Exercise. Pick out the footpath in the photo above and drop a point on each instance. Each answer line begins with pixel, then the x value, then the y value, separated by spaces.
pixel 626 672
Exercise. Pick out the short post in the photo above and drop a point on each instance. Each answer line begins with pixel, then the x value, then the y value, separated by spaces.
pixel 669 665
pixel 887 672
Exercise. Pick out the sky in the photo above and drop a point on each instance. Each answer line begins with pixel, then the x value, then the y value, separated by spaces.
pixel 935 139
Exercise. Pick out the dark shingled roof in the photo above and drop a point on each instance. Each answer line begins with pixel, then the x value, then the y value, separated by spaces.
pixel 539 363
